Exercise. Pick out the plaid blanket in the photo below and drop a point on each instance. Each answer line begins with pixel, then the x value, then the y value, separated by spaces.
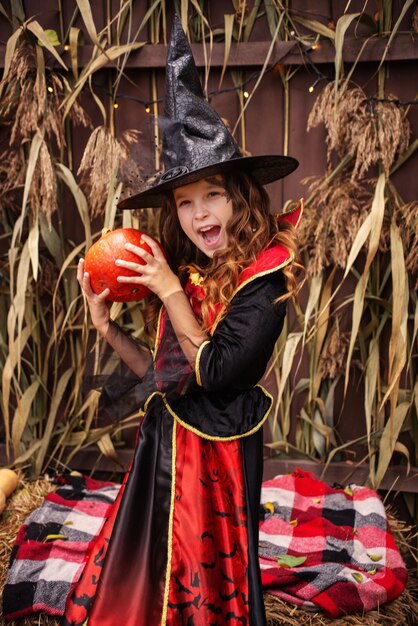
pixel 320 547
pixel 327 548
pixel 53 544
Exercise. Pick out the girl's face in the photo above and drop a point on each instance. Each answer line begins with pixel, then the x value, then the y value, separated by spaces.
pixel 203 209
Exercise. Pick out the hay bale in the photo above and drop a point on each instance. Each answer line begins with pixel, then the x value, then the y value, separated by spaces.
pixel 402 611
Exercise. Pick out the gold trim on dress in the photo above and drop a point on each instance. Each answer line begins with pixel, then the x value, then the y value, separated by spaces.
pixel 291 211
pixel 157 336
pixel 150 397
pixel 197 362
pixel 217 438
pixel 302 208
pixel 170 526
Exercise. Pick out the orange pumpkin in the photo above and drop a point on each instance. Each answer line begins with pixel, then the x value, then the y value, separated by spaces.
pixel 100 264
pixel 8 481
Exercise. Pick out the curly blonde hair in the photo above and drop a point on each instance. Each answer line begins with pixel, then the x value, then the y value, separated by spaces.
pixel 250 230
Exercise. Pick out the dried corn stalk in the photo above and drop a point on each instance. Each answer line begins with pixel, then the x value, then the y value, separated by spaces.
pixel 373 133
pixel 103 159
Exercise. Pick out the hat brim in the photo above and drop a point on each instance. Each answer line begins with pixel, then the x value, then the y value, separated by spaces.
pixel 265 169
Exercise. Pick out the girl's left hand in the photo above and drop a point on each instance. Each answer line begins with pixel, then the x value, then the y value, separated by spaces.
pixel 155 274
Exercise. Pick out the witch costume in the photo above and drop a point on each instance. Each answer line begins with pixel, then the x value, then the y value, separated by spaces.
pixel 181 544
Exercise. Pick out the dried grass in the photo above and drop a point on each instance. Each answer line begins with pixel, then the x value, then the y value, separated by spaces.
pixel 31 104
pixel 12 178
pixel 393 133
pixel 19 107
pixel 332 220
pixel 48 280
pixel 107 159
pixel 402 611
pixel 374 133
pixel 333 357
pixel 43 192
pixel 337 210
pixel 406 216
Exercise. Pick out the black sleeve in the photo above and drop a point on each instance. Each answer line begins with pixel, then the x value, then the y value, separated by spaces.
pixel 238 352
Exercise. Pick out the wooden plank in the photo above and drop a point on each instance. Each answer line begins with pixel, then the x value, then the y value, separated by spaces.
pixel 253 54
pixel 342 473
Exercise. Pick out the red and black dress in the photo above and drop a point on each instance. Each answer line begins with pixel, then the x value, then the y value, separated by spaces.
pixel 181 545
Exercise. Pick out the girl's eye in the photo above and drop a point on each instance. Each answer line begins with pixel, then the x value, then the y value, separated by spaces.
pixel 213 194
pixel 183 203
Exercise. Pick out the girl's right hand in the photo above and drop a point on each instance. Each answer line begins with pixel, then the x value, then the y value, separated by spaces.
pixel 98 306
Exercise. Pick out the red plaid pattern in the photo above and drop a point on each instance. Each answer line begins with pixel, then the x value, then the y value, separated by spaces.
pixel 43 569
pixel 350 560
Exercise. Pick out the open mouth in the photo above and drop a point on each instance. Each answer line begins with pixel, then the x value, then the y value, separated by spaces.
pixel 210 234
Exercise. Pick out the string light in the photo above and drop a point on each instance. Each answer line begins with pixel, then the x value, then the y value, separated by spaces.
pixel 115 105
pixel 304 50
pixel 211 94
pixel 319 75
pixel 66 47
pixel 312 87
pixel 396 101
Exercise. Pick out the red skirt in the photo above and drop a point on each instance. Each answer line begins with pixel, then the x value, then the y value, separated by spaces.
pixel 181 544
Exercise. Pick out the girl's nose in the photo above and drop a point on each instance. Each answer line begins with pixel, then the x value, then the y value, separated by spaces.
pixel 200 210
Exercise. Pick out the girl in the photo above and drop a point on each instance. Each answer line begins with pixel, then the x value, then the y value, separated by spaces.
pixel 180 546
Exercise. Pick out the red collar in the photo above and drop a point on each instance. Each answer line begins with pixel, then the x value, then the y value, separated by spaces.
pixel 268 261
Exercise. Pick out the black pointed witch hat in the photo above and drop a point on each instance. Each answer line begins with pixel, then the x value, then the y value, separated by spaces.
pixel 196 143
